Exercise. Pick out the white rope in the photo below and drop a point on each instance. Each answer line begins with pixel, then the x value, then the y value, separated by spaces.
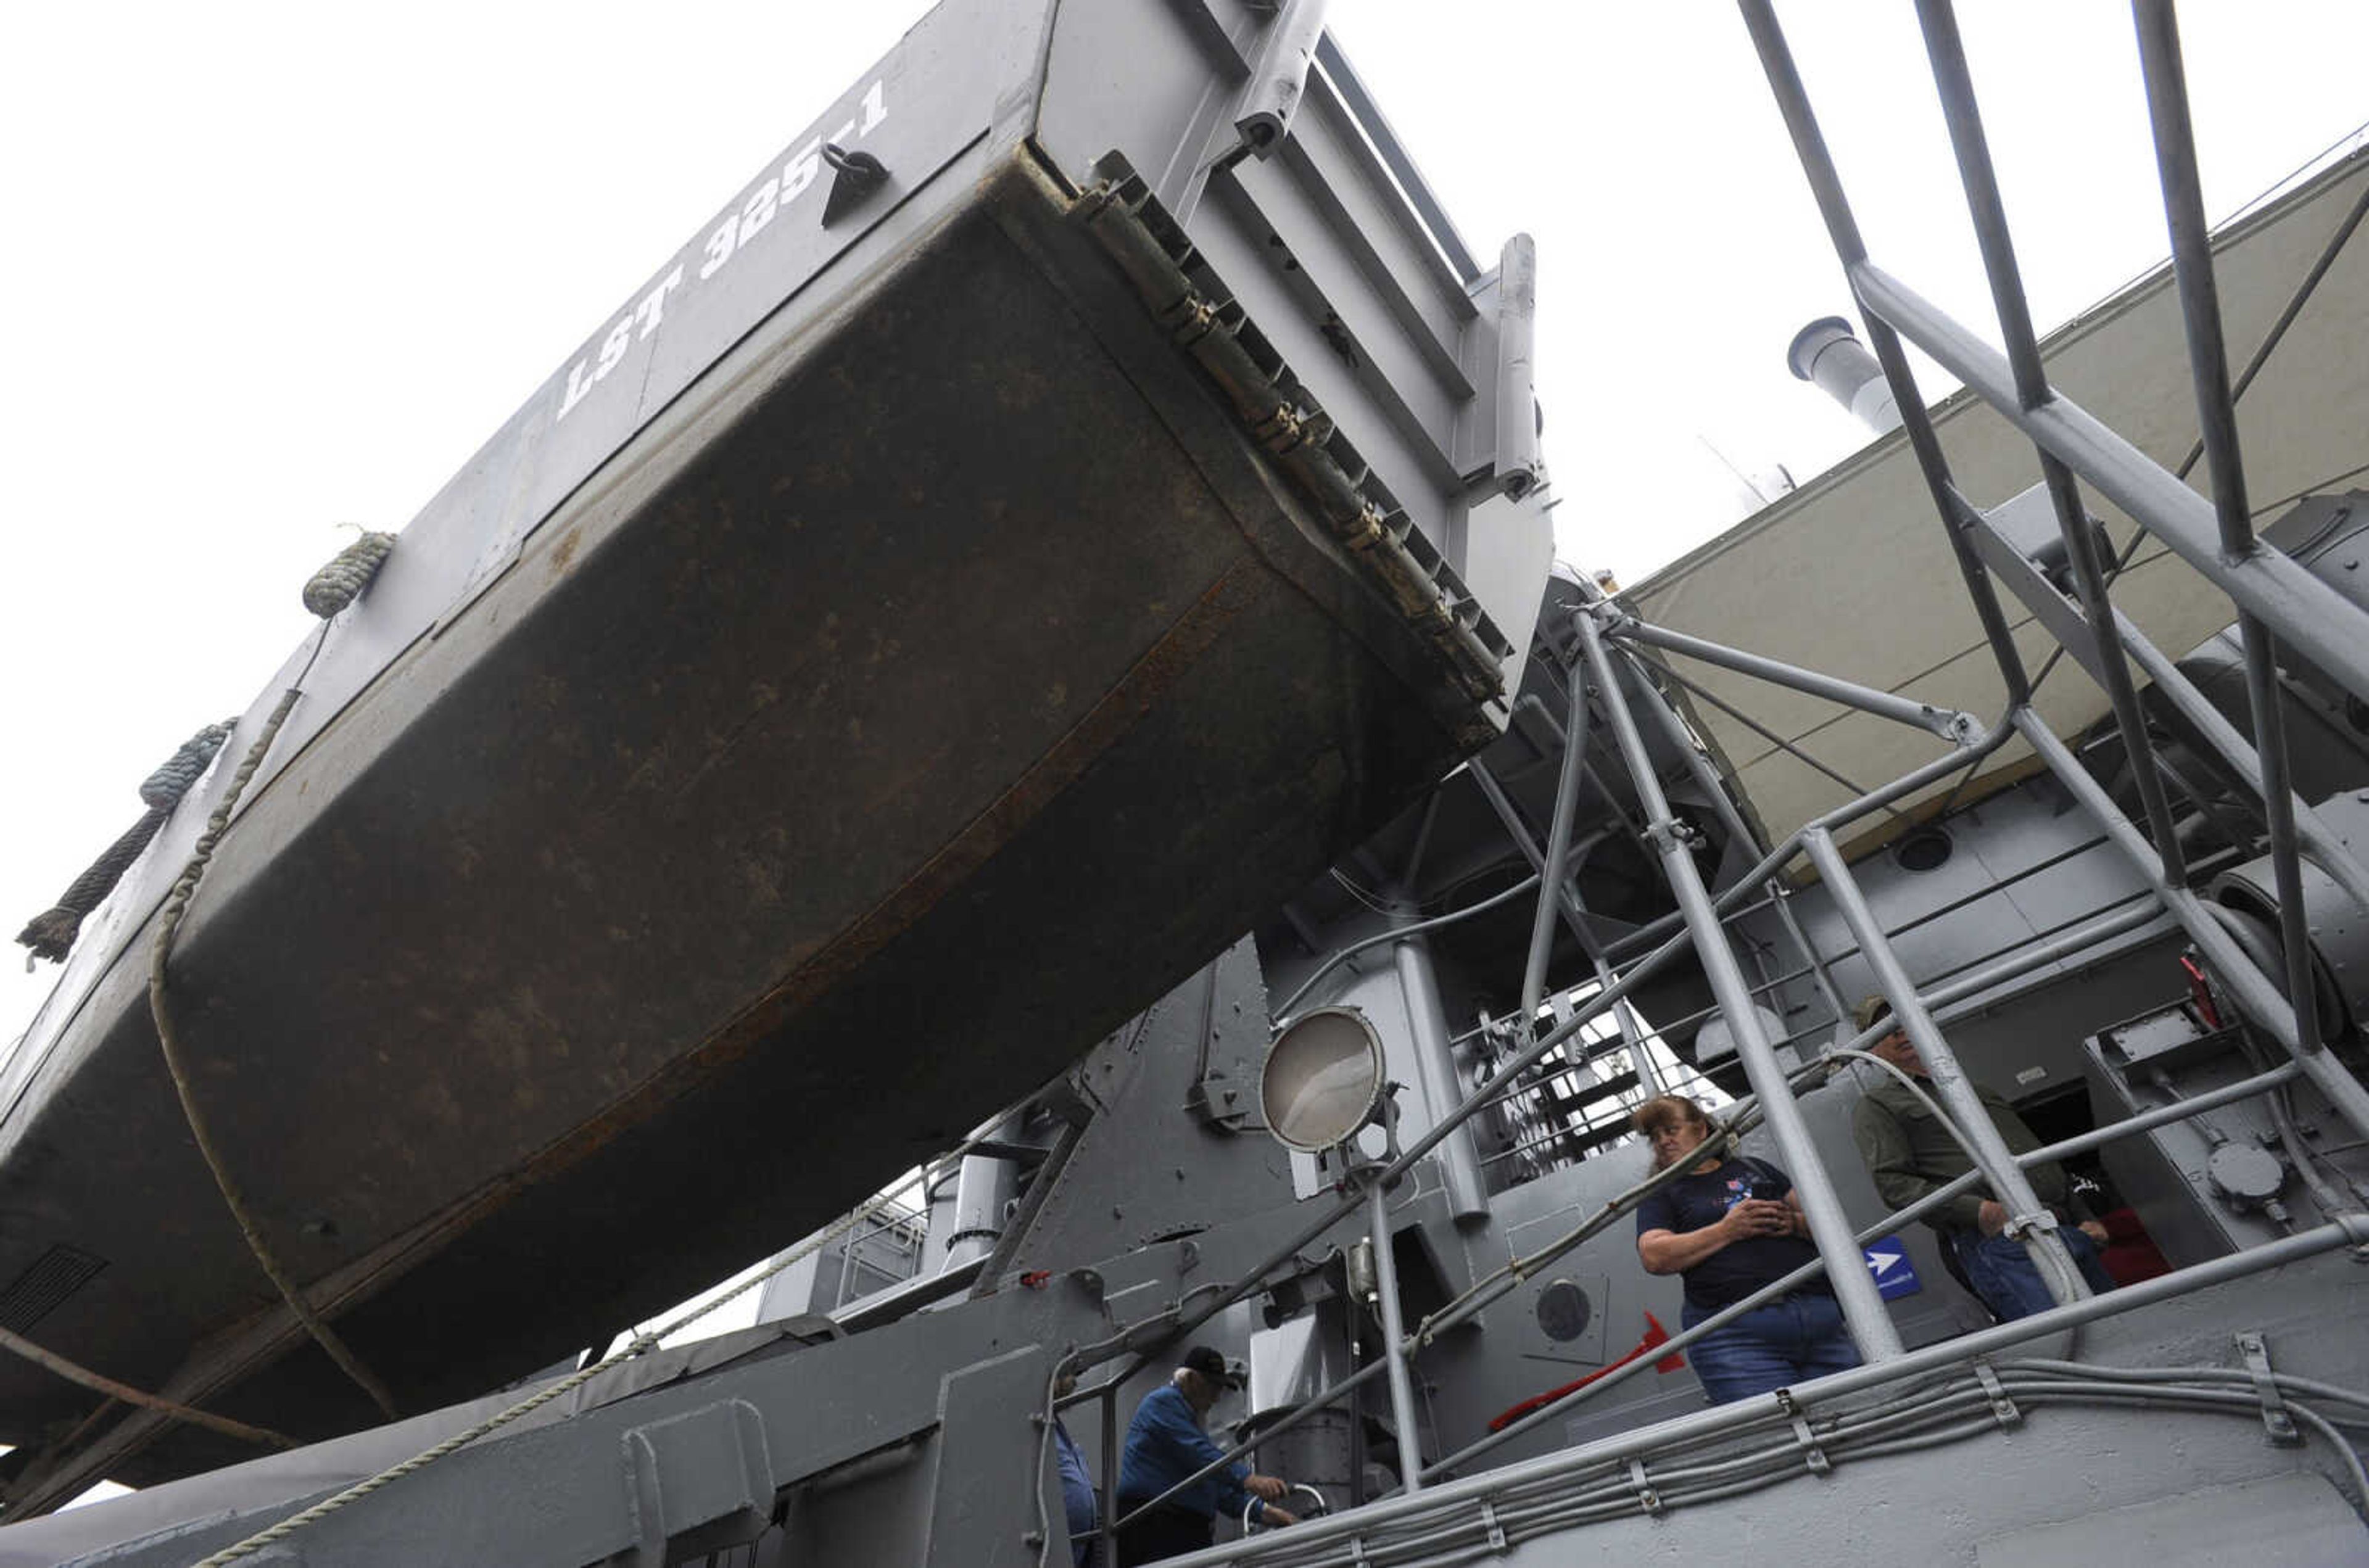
pixel 640 1345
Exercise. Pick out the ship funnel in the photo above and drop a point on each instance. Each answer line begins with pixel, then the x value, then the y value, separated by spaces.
pixel 1827 352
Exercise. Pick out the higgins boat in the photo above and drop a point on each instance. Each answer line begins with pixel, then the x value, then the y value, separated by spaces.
pixel 1027 654
pixel 945 604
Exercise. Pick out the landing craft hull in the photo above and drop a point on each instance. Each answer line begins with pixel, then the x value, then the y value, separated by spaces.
pixel 939 676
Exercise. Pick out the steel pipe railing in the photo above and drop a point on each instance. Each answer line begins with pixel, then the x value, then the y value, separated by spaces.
pixel 1870 1324
pixel 2256 994
pixel 1556 871
pixel 1826 186
pixel 2028 1218
pixel 1898 1221
pixel 2328 850
pixel 2306 613
pixel 2349 1231
pixel 1638 973
pixel 1394 1355
pixel 1475 1299
pixel 1486 1294
pixel 2216 416
pixel 1989 215
pixel 1892 1224
pixel 1879 799
pixel 1958 728
pixel 1337 1531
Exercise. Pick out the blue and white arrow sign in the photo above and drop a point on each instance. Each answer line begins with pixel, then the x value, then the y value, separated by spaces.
pixel 1895 1276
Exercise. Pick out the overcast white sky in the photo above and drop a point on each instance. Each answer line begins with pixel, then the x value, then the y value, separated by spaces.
pixel 274 267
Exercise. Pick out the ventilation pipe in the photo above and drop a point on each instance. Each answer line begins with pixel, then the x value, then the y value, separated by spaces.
pixel 1827 352
pixel 983 1190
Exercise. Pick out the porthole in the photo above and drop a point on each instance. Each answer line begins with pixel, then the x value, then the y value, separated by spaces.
pixel 1563 1310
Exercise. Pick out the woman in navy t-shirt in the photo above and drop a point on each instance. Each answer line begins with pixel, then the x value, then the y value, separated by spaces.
pixel 1730 1226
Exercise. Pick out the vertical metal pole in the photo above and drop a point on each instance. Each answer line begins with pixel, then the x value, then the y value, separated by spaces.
pixel 1989 1150
pixel 1632 1034
pixel 1107 1555
pixel 1956 86
pixel 2256 995
pixel 1386 1286
pixel 1443 1090
pixel 1555 871
pixel 1520 832
pixel 1864 1310
pixel 1708 781
pixel 2216 416
pixel 1810 146
pixel 2328 851
pixel 1699 766
pixel 1818 975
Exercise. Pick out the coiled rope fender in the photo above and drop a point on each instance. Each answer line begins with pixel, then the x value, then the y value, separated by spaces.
pixel 341 582
pixel 331 589
pixel 51 934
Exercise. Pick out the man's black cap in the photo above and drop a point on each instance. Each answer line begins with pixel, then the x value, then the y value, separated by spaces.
pixel 1210 1364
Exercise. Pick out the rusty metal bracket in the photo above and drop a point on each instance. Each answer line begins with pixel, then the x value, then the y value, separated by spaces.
pixel 1279 413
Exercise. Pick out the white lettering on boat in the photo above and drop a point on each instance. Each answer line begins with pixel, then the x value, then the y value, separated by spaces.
pixel 741 224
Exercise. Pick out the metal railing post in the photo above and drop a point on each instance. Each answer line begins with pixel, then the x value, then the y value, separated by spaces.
pixel 2307 615
pixel 1826 186
pixel 2028 1219
pixel 2255 992
pixel 1386 1288
pixel 1818 975
pixel 1864 1310
pixel 2217 418
pixel 2031 389
pixel 1554 872
pixel 2330 852
pixel 1948 724
pixel 1109 1548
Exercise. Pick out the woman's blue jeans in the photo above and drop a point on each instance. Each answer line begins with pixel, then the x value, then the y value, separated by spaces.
pixel 1787 1341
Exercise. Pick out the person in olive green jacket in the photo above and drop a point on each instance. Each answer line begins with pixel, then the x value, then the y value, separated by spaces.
pixel 1910 1153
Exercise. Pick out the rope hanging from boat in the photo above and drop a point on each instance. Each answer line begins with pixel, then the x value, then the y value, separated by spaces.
pixel 51 934
pixel 640 1345
pixel 99 1382
pixel 331 590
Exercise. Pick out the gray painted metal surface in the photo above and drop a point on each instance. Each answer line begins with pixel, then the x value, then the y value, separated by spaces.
pixel 1147 1210
pixel 833 623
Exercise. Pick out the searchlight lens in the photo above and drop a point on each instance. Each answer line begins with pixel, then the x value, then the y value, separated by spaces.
pixel 1322 1078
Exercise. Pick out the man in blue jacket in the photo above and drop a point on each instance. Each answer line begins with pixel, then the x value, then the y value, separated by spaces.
pixel 1166 1443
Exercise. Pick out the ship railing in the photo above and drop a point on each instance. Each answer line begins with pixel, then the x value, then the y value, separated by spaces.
pixel 2277 603
pixel 1702 932
pixel 1969 979
pixel 1540 1495
pixel 1487 1292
